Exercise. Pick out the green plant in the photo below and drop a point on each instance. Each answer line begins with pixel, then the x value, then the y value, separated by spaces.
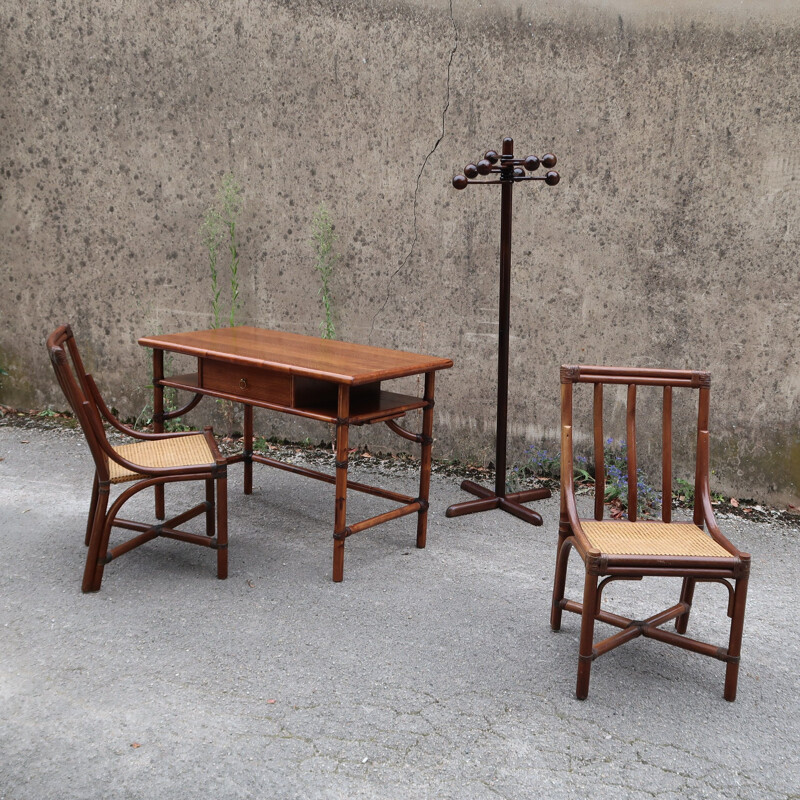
pixel 684 491
pixel 323 238
pixel 145 417
pixel 219 228
pixel 544 464
pixel 615 458
pixel 211 231
pixel 539 463
pixel 232 200
pixel 47 412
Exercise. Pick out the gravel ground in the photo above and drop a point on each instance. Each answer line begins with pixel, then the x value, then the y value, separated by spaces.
pixel 425 674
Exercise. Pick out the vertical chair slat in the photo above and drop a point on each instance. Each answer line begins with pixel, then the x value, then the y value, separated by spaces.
pixel 566 445
pixel 599 453
pixel 702 455
pixel 631 443
pixel 666 458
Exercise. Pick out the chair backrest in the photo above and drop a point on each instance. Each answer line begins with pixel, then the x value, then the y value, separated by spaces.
pixel 633 378
pixel 77 386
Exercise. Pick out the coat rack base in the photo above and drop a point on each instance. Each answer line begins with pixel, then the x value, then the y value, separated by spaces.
pixel 488 500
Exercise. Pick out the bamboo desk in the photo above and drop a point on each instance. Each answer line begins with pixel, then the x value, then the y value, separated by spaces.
pixel 321 379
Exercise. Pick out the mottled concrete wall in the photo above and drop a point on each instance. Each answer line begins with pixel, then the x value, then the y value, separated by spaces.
pixel 672 239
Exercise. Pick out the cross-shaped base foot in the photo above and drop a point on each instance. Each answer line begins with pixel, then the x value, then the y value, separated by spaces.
pixel 511 503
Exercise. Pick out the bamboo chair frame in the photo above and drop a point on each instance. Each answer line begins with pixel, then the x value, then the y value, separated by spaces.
pixel 626 550
pixel 169 458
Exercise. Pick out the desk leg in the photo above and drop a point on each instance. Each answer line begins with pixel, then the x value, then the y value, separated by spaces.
pixel 425 457
pixel 340 518
pixel 158 419
pixel 247 447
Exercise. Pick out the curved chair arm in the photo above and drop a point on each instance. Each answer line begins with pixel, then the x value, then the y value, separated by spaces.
pixel 120 426
pixel 568 495
pixel 711 523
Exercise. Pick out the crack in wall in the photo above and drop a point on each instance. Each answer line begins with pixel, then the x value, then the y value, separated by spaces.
pixel 419 177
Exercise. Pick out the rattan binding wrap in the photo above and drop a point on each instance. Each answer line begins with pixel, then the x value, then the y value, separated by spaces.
pixel 181 451
pixel 651 539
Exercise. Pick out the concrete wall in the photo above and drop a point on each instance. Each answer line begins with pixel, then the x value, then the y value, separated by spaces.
pixel 672 239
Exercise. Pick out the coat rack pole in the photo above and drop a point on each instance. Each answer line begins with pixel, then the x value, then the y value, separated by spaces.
pixel 509 171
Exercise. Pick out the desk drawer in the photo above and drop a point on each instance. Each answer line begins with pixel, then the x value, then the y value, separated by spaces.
pixel 249 383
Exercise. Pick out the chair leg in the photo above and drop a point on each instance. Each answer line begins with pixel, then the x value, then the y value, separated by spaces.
pixel 687 595
pixel 222 527
pixel 735 643
pixel 210 508
pixel 92 509
pixel 560 579
pixel 91 583
pixel 160 502
pixel 587 636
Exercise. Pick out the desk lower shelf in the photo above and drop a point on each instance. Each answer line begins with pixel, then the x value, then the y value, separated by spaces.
pixel 293 394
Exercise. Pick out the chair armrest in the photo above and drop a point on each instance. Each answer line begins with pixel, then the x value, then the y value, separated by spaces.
pixel 120 426
pixel 711 523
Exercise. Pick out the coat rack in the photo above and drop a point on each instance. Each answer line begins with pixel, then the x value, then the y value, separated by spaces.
pixel 509 170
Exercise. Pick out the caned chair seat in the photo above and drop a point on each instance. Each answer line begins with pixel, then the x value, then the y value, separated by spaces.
pixel 181 451
pixel 651 539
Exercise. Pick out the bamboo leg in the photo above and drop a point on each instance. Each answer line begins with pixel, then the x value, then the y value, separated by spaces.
pixel 587 636
pixel 560 580
pixel 158 419
pixel 210 509
pixel 98 544
pixel 248 449
pixel 735 643
pixel 425 457
pixel 92 510
pixel 340 515
pixel 687 595
pixel 222 526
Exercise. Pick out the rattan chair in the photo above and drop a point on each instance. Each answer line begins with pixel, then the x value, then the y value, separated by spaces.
pixel 153 460
pixel 630 549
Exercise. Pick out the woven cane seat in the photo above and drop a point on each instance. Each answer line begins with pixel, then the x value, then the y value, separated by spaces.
pixel 179 451
pixel 651 539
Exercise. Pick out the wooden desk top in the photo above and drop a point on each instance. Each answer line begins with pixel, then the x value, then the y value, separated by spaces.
pixel 338 362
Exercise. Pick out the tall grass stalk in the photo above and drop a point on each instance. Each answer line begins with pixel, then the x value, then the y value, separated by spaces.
pixel 324 238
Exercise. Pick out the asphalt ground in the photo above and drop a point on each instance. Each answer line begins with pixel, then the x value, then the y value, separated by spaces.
pixel 425 674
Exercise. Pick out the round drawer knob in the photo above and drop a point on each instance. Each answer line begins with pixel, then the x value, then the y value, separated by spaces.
pixel 243 383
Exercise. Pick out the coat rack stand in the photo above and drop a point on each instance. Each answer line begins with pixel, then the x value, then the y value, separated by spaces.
pixel 509 170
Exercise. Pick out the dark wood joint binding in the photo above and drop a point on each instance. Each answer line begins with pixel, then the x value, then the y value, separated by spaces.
pixel 596 564
pixel 219 471
pixel 218 546
pixel 741 568
pixel 160 416
pixel 722 655
pixel 570 374
pixel 247 455
pixel 342 420
pixel 591 657
pixel 423 504
pixel 425 439
pixel 701 380
pixel 341 464
pixel 340 537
